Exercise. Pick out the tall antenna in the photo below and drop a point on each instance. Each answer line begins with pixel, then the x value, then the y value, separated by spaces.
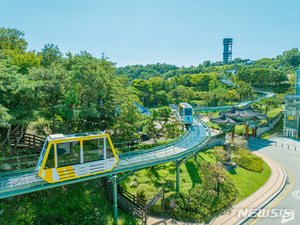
pixel 227 53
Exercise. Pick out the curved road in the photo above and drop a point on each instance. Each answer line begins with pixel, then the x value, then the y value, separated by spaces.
pixel 289 198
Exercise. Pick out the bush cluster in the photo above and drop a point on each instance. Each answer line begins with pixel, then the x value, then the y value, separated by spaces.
pixel 204 199
pixel 82 203
pixel 248 161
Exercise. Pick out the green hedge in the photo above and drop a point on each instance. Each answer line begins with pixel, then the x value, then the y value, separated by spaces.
pixel 204 202
pixel 248 161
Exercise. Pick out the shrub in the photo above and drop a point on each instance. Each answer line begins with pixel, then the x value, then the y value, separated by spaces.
pixel 248 161
pixel 205 200
pixel 141 194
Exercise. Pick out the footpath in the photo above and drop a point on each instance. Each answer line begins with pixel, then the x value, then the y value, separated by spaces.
pixel 256 200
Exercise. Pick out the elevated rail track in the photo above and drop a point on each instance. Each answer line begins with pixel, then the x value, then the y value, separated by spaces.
pixel 265 94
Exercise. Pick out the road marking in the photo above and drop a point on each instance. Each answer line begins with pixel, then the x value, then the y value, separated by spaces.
pixel 281 196
pixel 296 194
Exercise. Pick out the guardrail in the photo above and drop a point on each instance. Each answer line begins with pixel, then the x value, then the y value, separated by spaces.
pixel 18 164
pixel 174 142
pixel 267 94
pixel 170 157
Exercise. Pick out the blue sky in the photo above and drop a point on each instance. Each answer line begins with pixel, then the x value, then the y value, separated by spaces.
pixel 178 32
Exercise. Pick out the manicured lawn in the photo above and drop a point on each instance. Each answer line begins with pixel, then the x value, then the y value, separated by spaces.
pixel 248 182
pixel 152 180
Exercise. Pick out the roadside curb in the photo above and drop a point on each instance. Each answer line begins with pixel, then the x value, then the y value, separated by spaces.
pixel 271 198
pixel 256 200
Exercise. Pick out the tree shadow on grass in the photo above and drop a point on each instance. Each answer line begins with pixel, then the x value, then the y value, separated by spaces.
pixel 233 172
pixel 192 171
pixel 152 173
pixel 200 158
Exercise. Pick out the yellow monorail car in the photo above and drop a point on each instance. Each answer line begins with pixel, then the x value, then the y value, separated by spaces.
pixel 66 157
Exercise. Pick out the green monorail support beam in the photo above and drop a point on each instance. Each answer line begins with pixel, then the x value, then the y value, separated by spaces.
pixel 127 175
pixel 177 163
pixel 114 180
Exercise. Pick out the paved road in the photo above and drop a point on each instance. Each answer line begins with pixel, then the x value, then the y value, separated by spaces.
pixel 289 198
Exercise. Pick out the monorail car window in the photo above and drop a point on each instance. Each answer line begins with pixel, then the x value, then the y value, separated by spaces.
pixel 93 150
pixel 181 111
pixel 68 153
pixel 50 159
pixel 42 155
pixel 109 152
pixel 188 111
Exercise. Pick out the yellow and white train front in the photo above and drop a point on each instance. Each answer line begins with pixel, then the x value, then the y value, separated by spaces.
pixel 66 157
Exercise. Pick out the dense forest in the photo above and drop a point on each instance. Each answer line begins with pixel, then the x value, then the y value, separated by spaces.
pixel 47 93
pixel 287 63
pixel 163 84
pixel 205 88
pixel 51 92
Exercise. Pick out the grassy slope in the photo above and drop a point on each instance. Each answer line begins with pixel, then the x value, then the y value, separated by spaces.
pixel 82 203
pixel 277 128
pixel 253 182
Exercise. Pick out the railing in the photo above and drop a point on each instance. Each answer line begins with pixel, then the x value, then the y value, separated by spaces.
pixel 132 198
pixel 267 93
pixel 156 197
pixel 170 153
pixel 32 142
pixel 277 134
pixel 177 140
pixel 18 164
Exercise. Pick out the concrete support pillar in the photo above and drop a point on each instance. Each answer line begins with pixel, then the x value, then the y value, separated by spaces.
pixel 114 180
pixel 247 131
pixel 177 176
pixel 195 157
pixel 177 164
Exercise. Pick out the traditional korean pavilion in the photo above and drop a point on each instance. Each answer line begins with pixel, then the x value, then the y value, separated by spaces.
pixel 238 116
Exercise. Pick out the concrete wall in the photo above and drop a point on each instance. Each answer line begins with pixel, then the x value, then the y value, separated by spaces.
pixel 268 126
pixel 214 141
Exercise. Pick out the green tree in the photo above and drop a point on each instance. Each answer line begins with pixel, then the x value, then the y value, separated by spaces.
pixel 161 98
pixel 243 89
pixel 213 84
pixel 144 89
pixel 292 57
pixel 126 126
pixel 25 61
pixel 17 94
pixel 4 117
pixel 12 39
pixel 278 76
pixel 270 102
pixel 50 54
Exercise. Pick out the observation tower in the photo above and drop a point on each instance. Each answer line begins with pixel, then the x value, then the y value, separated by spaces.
pixel 227 52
